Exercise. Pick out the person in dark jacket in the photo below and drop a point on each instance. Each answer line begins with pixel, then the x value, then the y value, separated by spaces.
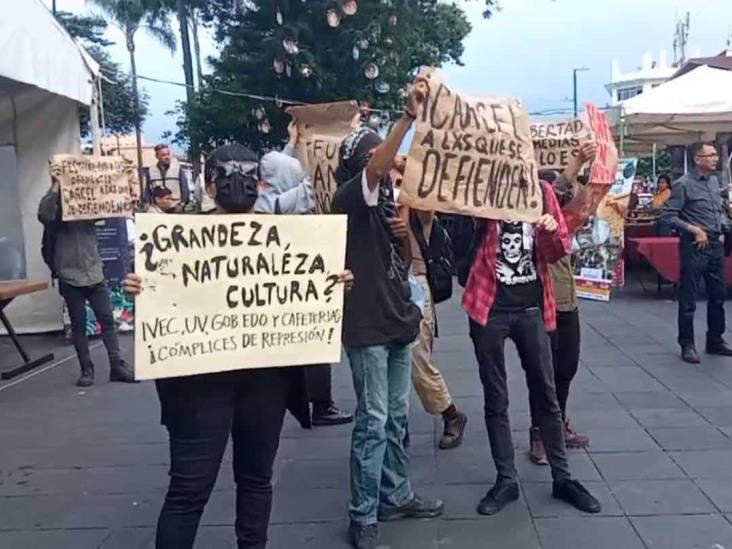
pixel 78 266
pixel 202 411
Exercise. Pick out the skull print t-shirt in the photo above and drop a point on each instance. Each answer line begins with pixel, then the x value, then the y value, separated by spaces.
pixel 518 284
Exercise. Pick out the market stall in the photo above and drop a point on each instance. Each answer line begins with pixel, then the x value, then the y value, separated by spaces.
pixel 44 78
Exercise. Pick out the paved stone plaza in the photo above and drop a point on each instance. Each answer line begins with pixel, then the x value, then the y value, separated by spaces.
pixel 87 469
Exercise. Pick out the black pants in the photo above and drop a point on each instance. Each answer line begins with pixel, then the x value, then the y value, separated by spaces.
pixel 565 342
pixel 319 384
pixel 526 330
pixel 98 298
pixel 200 413
pixel 695 264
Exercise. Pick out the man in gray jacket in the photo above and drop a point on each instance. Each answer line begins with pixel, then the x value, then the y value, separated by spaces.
pixel 78 266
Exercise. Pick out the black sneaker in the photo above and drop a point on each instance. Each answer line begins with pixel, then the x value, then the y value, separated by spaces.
pixel 719 348
pixel 416 508
pixel 576 495
pixel 363 537
pixel 121 372
pixel 498 497
pixel 324 416
pixel 86 379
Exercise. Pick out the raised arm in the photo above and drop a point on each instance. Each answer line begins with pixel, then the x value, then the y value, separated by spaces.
pixel 382 160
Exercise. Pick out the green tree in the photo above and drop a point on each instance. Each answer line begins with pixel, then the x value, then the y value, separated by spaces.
pixel 131 16
pixel 119 112
pixel 663 165
pixel 314 51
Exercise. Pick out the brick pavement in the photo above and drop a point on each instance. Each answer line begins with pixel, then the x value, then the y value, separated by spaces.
pixel 87 469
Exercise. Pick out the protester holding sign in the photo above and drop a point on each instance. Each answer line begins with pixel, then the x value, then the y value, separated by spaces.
pixel 565 340
pixel 71 250
pixel 202 411
pixel 509 294
pixel 380 324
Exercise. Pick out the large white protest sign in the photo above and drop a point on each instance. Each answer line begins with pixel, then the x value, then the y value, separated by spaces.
pixel 93 187
pixel 230 292
pixel 473 157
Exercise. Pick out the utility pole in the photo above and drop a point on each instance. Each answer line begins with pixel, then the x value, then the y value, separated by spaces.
pixel 53 8
pixel 574 86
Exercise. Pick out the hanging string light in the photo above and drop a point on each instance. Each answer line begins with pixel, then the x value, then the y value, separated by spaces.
pixel 371 71
pixel 290 46
pixel 350 7
pixel 333 18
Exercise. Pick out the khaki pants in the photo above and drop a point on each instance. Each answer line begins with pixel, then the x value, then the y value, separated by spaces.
pixel 427 380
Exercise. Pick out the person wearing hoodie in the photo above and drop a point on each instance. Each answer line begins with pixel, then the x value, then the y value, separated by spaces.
pixel 201 412
pixel 285 187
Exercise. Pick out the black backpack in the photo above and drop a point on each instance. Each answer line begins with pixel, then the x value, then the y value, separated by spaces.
pixel 48 246
pixel 438 257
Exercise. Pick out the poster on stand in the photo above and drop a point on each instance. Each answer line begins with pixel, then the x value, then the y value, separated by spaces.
pixel 114 249
pixel 598 245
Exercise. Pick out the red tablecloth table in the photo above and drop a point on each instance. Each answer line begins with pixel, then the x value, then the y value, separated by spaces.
pixel 636 230
pixel 662 252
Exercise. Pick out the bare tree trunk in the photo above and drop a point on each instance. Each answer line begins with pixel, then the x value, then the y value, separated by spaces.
pixel 136 105
pixel 196 46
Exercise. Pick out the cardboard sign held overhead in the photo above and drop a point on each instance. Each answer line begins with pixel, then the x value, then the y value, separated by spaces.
pixel 321 128
pixel 472 157
pixel 606 163
pixel 602 173
pixel 555 143
pixel 231 292
pixel 93 187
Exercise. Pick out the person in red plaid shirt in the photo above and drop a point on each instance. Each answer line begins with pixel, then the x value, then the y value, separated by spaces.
pixel 509 294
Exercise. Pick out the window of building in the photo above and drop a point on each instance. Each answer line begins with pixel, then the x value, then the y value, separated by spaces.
pixel 627 93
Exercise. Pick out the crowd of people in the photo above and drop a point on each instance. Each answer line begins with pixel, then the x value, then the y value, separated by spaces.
pixel 518 285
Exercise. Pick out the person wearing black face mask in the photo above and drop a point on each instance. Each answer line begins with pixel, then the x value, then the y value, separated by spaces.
pixel 202 411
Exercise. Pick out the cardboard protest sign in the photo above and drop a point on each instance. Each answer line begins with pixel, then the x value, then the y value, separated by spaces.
pixel 598 244
pixel 93 187
pixel 320 130
pixel 555 143
pixel 605 164
pixel 473 157
pixel 230 292
pixel 603 173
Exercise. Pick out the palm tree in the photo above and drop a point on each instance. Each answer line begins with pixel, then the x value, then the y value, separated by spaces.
pixel 131 16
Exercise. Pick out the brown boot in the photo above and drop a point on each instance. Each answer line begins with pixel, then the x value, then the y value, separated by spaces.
pixel 537 454
pixel 455 422
pixel 573 439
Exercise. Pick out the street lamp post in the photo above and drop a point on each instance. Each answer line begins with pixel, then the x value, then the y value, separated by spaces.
pixel 574 85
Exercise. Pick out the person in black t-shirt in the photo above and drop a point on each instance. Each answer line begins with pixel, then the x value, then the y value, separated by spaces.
pixel 380 323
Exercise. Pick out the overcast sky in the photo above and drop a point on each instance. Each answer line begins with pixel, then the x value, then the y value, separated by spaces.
pixel 527 50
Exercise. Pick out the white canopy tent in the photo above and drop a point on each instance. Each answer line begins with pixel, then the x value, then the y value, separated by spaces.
pixel 696 106
pixel 44 77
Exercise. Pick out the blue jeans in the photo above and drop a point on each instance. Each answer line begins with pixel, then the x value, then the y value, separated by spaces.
pixel 379 461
